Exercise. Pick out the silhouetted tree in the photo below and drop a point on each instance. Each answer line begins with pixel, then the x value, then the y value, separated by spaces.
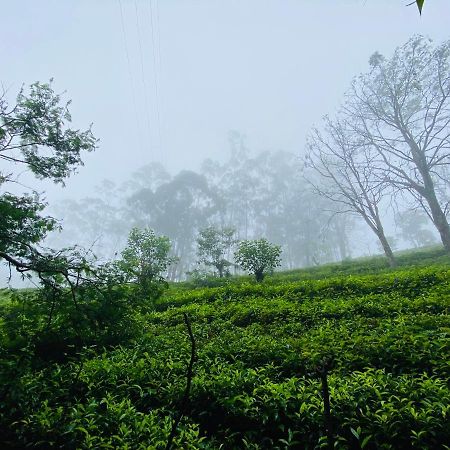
pixel 401 111
pixel 343 173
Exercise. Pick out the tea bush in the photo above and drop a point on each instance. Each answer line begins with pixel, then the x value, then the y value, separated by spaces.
pixel 384 335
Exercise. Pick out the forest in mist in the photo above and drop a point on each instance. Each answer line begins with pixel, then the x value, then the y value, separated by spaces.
pixel 274 177
pixel 266 194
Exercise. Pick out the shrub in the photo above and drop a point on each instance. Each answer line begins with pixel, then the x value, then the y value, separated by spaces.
pixel 258 257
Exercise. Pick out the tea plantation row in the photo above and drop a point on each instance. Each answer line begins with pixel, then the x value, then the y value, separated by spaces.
pixel 383 337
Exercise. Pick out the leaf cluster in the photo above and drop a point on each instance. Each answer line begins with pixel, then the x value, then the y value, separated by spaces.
pixel 36 126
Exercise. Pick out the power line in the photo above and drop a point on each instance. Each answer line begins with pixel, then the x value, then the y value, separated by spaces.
pixel 155 65
pixel 147 108
pixel 158 32
pixel 133 93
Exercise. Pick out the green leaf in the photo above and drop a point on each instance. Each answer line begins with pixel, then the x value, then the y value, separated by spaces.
pixel 365 441
pixel 420 5
pixel 355 433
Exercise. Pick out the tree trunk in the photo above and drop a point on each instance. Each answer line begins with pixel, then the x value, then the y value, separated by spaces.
pixel 378 229
pixel 429 193
pixel 439 219
pixel 387 248
pixel 259 276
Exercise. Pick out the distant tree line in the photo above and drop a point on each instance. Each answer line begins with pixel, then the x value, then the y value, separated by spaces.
pixel 387 147
pixel 257 196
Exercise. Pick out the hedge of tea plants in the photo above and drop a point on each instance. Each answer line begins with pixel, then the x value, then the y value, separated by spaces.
pixel 381 335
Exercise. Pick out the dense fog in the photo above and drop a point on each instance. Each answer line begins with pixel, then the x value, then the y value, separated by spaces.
pixel 204 112
pixel 224 224
pixel 262 195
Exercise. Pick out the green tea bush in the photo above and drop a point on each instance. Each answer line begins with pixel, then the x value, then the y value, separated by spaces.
pixel 384 336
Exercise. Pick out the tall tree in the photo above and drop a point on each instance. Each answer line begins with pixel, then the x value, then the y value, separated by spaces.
pixel 343 173
pixel 401 110
pixel 34 134
pixel 236 182
pixel 213 246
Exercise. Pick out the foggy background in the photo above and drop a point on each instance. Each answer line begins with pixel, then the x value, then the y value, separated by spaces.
pixel 166 81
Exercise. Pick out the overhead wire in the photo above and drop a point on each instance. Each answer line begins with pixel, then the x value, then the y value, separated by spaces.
pixel 130 74
pixel 158 30
pixel 147 108
pixel 161 90
pixel 156 74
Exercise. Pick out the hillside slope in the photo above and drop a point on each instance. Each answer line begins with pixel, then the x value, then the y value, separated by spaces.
pixel 382 336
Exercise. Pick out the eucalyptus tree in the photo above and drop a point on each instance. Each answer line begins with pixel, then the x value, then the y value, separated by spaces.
pixel 236 182
pixel 178 209
pixel 287 211
pixel 265 195
pixel 150 176
pixel 401 110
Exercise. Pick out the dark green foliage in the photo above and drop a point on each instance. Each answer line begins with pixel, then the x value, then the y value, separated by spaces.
pixel 38 121
pixel 420 5
pixel 81 304
pixel 55 322
pixel 145 260
pixel 21 224
pixel 258 257
pixel 384 334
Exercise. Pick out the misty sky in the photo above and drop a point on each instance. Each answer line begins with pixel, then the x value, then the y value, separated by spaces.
pixel 165 80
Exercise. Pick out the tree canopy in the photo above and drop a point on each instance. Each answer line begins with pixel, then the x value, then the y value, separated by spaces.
pixel 145 259
pixel 213 246
pixel 258 257
pixel 34 134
